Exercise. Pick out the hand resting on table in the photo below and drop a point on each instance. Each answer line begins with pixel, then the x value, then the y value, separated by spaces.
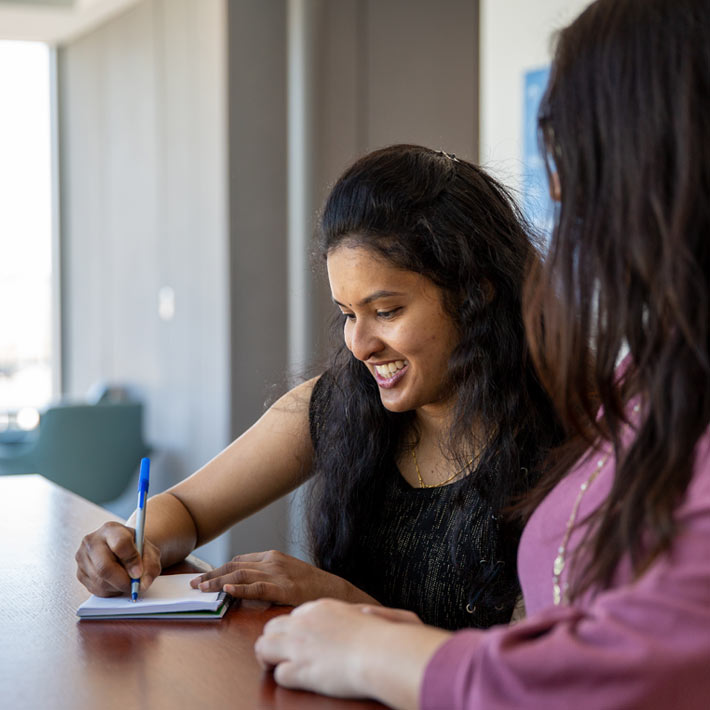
pixel 278 578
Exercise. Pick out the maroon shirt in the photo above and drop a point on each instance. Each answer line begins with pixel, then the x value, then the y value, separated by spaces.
pixel 641 644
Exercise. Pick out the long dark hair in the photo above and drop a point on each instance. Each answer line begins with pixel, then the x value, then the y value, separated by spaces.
pixel 433 214
pixel 624 124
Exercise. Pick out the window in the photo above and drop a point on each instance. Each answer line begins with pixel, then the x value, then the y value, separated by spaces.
pixel 26 310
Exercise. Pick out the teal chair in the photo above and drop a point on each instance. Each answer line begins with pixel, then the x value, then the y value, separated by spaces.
pixel 93 450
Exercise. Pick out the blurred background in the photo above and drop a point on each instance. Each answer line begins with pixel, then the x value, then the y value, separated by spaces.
pixel 163 164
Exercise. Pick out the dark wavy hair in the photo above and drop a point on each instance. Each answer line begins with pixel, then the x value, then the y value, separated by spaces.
pixel 428 212
pixel 624 124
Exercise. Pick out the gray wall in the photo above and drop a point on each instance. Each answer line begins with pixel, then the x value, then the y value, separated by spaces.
pixel 398 71
pixel 395 71
pixel 173 128
pixel 142 122
pixel 258 230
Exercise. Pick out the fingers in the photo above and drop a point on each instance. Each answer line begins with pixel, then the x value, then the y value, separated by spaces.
pixel 151 564
pixel 269 650
pixel 243 584
pixel 108 558
pixel 271 646
pixel 239 571
pixel 211 581
pixel 275 651
pixel 98 569
pixel 306 648
pixel 288 675
pixel 265 591
pixel 121 541
pixel 89 576
pixel 271 559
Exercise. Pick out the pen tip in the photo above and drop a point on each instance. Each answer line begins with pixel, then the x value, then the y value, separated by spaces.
pixel 134 597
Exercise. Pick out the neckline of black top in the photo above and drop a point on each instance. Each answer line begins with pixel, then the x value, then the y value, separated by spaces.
pixel 404 485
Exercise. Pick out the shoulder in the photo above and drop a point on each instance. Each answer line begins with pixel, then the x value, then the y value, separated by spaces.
pixel 291 411
pixel 285 424
pixel 298 399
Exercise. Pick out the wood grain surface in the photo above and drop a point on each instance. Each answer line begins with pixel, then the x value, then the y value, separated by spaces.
pixel 50 660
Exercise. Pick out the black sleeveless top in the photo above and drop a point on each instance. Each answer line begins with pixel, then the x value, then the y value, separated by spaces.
pixel 409 555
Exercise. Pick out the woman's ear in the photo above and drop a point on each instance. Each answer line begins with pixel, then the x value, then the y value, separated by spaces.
pixel 555 189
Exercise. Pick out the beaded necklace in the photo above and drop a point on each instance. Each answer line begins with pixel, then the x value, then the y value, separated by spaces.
pixel 559 590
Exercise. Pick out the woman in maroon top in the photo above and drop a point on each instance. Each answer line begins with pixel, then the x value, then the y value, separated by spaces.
pixel 615 559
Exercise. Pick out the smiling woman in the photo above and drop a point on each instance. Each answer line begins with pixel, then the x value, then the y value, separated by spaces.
pixel 396 324
pixel 430 420
pixel 427 423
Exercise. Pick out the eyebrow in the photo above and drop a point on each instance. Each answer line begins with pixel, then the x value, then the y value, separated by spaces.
pixel 372 297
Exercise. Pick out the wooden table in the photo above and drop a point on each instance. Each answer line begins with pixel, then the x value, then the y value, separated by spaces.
pixel 50 660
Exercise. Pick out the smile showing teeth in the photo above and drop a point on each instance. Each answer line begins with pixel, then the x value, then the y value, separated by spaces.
pixel 389 368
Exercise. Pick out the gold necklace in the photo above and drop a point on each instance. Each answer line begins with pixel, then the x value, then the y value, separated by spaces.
pixel 442 483
pixel 559 591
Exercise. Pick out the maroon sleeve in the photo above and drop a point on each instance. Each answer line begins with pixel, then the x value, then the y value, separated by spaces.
pixel 644 644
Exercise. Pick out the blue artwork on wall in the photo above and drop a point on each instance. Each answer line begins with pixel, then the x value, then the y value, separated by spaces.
pixel 537 204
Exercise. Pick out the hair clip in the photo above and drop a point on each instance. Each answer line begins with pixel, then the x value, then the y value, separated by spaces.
pixel 450 156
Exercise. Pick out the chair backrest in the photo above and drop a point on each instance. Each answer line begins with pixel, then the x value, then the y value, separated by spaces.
pixel 93 450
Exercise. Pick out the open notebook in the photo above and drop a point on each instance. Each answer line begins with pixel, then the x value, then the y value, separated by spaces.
pixel 169 597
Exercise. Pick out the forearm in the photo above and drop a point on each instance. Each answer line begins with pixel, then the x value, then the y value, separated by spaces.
pixel 354 595
pixel 170 526
pixel 390 664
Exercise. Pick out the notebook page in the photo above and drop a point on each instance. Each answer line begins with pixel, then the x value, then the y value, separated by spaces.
pixel 168 593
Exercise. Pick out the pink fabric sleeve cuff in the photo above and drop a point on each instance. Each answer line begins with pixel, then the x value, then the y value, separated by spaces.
pixel 442 676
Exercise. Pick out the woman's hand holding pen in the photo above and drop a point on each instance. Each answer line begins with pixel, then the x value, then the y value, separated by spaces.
pixel 278 578
pixel 108 558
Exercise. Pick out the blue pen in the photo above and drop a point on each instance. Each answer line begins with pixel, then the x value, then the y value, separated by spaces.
pixel 143 482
